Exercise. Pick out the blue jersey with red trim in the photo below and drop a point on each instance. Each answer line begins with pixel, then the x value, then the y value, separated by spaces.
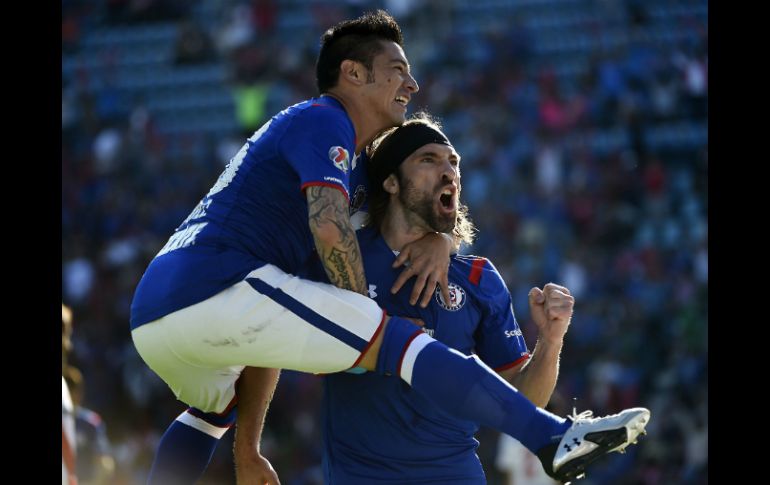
pixel 378 429
pixel 256 213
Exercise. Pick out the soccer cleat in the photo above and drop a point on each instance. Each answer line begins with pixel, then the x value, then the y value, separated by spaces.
pixel 590 438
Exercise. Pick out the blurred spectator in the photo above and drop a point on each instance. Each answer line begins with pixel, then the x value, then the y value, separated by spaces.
pixel 95 464
pixel 193 44
pixel 143 11
pixel 664 93
pixel 236 31
pixel 265 16
pixel 68 467
pixel 694 68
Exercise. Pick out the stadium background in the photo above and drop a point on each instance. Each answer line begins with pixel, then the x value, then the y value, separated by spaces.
pixel 583 130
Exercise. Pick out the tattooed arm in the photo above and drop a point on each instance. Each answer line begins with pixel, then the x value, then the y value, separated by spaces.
pixel 335 238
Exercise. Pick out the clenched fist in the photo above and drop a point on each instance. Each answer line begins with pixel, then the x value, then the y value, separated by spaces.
pixel 551 309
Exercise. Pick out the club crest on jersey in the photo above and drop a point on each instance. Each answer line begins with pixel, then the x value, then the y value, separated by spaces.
pixel 456 298
pixel 340 157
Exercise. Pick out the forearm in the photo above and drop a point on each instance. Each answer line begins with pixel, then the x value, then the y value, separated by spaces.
pixel 335 238
pixel 255 391
pixel 537 379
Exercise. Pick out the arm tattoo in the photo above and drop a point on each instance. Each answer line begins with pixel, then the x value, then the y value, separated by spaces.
pixel 328 212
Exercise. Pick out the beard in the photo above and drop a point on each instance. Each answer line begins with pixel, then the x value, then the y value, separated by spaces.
pixel 422 205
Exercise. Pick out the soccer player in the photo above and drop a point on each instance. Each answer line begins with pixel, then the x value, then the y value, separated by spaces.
pixel 220 308
pixel 380 430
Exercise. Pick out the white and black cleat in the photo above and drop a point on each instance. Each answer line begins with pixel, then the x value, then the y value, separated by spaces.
pixel 590 438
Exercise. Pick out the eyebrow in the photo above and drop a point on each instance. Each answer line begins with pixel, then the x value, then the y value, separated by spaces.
pixel 400 61
pixel 436 155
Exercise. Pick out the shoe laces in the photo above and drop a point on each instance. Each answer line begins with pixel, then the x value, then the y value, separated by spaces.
pixel 585 416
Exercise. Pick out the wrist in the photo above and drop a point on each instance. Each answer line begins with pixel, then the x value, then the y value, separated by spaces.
pixel 246 454
pixel 554 343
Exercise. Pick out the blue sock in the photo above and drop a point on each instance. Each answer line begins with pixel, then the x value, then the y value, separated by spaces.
pixel 187 446
pixel 399 333
pixel 464 386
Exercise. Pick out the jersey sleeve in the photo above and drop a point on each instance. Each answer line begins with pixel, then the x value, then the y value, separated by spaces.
pixel 499 341
pixel 319 145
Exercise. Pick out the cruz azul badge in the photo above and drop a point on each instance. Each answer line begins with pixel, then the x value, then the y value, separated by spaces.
pixel 456 298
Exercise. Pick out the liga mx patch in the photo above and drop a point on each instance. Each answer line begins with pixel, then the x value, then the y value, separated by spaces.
pixel 340 157
pixel 456 298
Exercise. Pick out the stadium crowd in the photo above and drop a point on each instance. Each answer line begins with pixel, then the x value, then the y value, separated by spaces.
pixel 582 128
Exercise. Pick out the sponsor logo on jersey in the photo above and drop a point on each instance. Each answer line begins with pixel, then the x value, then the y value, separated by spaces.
pixel 333 179
pixel 513 333
pixel 340 157
pixel 456 298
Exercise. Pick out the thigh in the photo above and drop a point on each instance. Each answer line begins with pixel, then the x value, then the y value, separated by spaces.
pixel 270 319
pixel 208 388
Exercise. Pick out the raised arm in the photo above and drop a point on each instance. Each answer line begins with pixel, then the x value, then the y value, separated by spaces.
pixel 335 238
pixel 551 309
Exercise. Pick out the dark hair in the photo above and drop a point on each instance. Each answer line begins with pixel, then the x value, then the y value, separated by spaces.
pixel 358 40
pixel 464 231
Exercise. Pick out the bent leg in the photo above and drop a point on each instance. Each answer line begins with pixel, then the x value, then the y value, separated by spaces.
pixel 269 320
pixel 187 446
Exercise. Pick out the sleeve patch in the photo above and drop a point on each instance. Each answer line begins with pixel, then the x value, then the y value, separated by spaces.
pixel 476 270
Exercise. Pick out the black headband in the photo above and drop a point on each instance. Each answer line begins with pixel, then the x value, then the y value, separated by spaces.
pixel 397 146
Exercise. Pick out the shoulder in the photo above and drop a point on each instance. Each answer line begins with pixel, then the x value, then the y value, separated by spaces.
pixel 477 270
pixel 322 113
pixel 480 277
pixel 319 127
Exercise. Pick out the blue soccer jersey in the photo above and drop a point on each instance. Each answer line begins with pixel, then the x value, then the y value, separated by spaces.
pixel 378 429
pixel 256 213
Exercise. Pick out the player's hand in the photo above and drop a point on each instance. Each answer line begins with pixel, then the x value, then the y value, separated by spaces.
pixel 428 260
pixel 255 470
pixel 551 309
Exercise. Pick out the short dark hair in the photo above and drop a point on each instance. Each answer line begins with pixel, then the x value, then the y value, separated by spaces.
pixel 358 40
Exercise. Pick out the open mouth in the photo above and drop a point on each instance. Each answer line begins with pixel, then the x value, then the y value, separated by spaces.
pixel 447 199
pixel 402 100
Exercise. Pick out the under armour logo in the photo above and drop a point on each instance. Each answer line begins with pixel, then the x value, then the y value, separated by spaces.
pixel 372 291
pixel 575 441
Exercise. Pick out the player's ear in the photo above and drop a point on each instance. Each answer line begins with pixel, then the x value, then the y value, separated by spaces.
pixel 352 71
pixel 391 184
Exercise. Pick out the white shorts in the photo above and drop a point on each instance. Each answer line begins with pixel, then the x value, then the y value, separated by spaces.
pixel 270 319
